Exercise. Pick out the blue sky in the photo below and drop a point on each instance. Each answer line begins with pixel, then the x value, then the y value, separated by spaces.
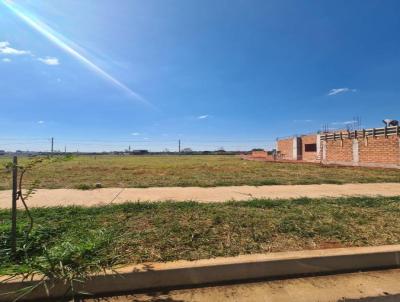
pixel 102 74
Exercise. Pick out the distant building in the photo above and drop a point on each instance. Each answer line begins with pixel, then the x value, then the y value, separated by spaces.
pixel 2 152
pixel 139 152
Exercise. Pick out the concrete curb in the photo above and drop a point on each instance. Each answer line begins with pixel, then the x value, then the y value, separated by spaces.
pixel 219 270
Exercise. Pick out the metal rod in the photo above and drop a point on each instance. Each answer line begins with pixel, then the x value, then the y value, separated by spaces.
pixel 14 207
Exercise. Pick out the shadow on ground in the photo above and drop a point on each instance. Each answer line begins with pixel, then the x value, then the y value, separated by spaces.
pixel 387 298
pixel 148 297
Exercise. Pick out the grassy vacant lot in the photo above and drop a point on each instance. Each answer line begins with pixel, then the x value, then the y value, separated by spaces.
pixel 159 171
pixel 88 238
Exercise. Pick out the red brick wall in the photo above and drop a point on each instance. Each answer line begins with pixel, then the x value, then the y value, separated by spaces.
pixel 339 150
pixel 259 154
pixel 380 150
pixel 285 147
pixel 308 139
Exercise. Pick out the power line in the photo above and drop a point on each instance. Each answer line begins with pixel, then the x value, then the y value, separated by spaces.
pixel 136 140
pixel 155 145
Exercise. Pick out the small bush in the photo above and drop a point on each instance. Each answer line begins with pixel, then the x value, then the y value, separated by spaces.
pixel 85 187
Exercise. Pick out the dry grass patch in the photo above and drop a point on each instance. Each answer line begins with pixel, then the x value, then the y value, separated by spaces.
pixel 183 171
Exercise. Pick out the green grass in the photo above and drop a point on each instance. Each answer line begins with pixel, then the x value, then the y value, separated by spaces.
pixel 84 172
pixel 82 240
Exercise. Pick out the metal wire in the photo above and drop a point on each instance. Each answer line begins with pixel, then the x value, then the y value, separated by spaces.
pixel 21 196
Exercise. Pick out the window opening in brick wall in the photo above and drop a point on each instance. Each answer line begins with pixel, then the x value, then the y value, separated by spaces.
pixel 310 147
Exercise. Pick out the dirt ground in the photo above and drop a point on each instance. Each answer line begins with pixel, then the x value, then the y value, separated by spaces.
pixel 66 197
pixel 376 286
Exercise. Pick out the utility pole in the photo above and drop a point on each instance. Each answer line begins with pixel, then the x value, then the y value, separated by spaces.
pixel 14 207
pixel 65 149
pixel 52 144
pixel 179 146
pixel 129 148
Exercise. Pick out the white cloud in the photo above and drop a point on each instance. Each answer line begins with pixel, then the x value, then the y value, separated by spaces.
pixel 135 133
pixel 302 121
pixel 202 117
pixel 336 91
pixel 344 123
pixel 40 122
pixel 5 49
pixel 49 61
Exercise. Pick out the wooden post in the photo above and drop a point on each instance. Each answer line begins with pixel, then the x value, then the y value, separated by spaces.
pixel 14 207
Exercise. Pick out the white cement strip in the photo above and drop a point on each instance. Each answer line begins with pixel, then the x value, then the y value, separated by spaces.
pixel 66 197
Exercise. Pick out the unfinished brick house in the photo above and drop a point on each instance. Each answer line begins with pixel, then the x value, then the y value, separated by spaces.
pixel 305 148
pixel 377 147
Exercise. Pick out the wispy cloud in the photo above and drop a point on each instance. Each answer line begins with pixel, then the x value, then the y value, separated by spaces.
pixel 302 121
pixel 5 49
pixel 336 91
pixel 202 117
pixel 135 133
pixel 49 61
pixel 40 122
pixel 344 123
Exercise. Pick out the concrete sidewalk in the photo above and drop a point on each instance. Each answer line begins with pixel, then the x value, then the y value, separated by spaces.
pixel 66 197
